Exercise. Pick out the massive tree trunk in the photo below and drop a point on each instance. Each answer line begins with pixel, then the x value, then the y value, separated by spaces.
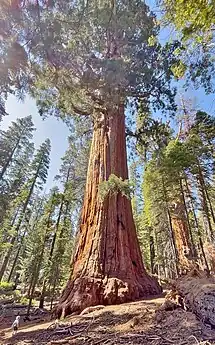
pixel 107 267
pixel 181 235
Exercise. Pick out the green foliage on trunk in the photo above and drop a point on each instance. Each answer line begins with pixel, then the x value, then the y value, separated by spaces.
pixel 114 185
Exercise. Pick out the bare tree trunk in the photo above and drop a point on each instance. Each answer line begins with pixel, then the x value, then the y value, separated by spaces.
pixel 53 292
pixel 9 160
pixel 152 254
pixel 172 235
pixel 16 258
pixel 7 257
pixel 36 273
pixel 5 239
pixel 43 292
pixel 20 246
pixel 210 204
pixel 13 239
pixel 108 267
pixel 14 263
pixel 205 208
pixel 197 224
pixel 19 223
pixel 31 290
pixel 56 228
pixel 193 249
pixel 206 192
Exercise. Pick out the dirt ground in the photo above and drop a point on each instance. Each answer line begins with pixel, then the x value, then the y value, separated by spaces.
pixel 131 323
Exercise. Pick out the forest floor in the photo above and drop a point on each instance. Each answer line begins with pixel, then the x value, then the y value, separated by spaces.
pixel 132 323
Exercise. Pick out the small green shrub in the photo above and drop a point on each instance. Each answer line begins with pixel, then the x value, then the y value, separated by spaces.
pixel 5 286
pixel 34 303
pixel 24 300
pixel 17 293
pixel 114 185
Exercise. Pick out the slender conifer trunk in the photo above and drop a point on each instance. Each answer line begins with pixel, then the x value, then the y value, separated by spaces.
pixel 14 237
pixel 10 157
pixel 196 224
pixel 43 292
pixel 200 180
pixel 171 230
pixel 193 249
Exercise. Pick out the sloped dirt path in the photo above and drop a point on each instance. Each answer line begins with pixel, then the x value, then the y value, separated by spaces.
pixel 130 323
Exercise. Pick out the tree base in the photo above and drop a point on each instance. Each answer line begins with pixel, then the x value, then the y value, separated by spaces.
pixel 85 292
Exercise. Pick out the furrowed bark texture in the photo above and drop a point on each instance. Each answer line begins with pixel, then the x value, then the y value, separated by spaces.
pixel 181 235
pixel 199 295
pixel 108 267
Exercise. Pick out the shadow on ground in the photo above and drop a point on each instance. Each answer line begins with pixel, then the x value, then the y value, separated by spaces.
pixel 131 324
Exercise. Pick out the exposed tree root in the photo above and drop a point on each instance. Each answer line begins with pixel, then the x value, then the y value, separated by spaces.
pixel 86 292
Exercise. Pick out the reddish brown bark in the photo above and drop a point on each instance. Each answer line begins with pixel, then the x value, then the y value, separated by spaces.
pixel 181 235
pixel 108 267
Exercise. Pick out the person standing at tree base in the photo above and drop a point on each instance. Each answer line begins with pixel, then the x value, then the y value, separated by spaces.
pixel 15 325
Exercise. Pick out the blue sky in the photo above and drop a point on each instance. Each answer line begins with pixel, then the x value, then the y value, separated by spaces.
pixel 50 128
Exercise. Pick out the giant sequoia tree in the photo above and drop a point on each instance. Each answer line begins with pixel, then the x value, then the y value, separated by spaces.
pixel 90 58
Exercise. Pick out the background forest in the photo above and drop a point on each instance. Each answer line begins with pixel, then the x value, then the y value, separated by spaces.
pixel 170 147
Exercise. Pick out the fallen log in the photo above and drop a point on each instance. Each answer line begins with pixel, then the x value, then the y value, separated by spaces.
pixel 7 301
pixel 198 293
pixel 11 305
